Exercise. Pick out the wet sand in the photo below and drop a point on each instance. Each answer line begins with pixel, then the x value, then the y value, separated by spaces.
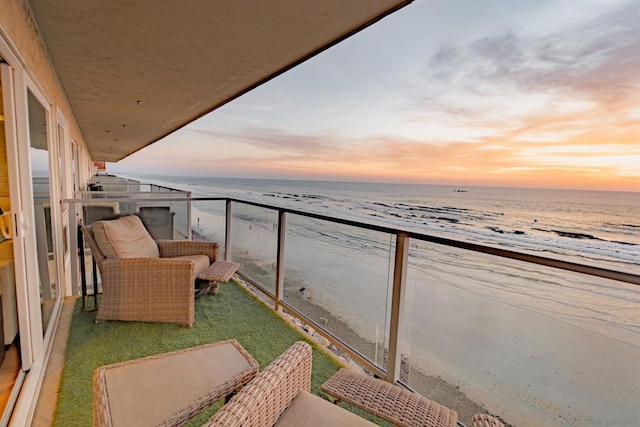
pixel 470 326
pixel 432 387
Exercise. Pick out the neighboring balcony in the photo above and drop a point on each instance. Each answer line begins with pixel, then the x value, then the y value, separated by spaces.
pixel 534 340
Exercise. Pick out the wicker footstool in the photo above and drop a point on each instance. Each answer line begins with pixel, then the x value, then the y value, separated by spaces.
pixel 388 401
pixel 169 388
pixel 219 271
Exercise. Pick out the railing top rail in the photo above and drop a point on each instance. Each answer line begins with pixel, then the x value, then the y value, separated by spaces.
pixel 109 194
pixel 164 198
pixel 117 181
pixel 131 184
pixel 606 273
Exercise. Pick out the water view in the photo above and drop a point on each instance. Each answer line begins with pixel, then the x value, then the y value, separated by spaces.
pixel 533 344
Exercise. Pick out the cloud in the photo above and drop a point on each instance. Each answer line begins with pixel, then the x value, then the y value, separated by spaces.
pixel 534 101
pixel 273 139
pixel 597 60
pixel 512 106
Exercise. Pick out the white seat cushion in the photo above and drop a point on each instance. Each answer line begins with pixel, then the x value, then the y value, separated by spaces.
pixel 124 237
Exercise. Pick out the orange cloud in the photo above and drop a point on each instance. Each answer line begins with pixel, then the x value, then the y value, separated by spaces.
pixel 555 110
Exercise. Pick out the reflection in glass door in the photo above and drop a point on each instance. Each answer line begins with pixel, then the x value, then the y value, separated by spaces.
pixel 41 175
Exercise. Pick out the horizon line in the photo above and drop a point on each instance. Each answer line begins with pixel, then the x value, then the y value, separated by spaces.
pixel 530 187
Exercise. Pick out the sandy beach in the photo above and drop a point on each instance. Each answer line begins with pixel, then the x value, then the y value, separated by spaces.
pixel 438 389
pixel 432 387
pixel 478 334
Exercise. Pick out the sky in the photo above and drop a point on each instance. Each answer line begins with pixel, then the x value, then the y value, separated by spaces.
pixel 480 92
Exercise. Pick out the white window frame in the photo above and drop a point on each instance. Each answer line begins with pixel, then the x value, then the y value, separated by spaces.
pixel 35 346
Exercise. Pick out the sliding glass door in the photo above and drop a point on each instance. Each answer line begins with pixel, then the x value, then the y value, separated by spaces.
pixel 44 205
pixel 30 193
pixel 33 172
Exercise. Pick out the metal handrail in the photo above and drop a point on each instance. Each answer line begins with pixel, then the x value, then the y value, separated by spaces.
pixel 403 237
pixel 606 273
pixel 105 194
pixel 392 371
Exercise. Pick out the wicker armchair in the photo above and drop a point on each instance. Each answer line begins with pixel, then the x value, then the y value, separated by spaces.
pixel 267 396
pixel 279 396
pixel 150 289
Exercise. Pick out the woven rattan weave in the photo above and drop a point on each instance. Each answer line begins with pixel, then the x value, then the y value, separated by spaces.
pixel 388 401
pixel 170 388
pixel 265 398
pixel 150 289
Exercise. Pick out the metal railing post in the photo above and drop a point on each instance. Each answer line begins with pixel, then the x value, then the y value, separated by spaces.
pixel 227 232
pixel 189 231
pixel 397 307
pixel 282 224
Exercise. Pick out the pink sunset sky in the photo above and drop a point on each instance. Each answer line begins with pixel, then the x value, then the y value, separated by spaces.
pixel 509 93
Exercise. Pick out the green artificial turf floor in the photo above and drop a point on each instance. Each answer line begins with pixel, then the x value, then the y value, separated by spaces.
pixel 233 313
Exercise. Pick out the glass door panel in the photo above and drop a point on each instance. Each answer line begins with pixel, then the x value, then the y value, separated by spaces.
pixel 41 178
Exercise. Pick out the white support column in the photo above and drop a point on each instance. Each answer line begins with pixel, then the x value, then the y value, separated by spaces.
pixel 75 250
pixel 397 307
pixel 282 225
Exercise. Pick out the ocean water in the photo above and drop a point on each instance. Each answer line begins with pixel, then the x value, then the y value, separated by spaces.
pixel 556 348
pixel 592 227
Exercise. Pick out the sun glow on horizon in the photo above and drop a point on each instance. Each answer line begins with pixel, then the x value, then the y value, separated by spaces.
pixel 441 92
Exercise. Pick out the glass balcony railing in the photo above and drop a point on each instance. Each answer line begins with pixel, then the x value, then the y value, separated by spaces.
pixel 253 243
pixel 347 296
pixel 537 345
pixel 537 341
pixel 168 218
pixel 208 220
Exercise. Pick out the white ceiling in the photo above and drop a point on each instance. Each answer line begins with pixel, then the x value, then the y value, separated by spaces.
pixel 137 70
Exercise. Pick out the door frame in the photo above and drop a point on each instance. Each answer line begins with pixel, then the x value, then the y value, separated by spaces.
pixel 63 165
pixel 35 345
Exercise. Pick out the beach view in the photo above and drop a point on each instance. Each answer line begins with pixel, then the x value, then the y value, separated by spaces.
pixel 526 342
pixel 512 125
pixel 436 199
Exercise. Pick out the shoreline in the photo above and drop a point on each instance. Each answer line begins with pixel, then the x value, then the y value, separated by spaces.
pixel 432 387
pixel 530 358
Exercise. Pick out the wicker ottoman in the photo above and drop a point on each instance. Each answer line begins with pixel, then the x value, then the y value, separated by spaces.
pixel 219 271
pixel 388 401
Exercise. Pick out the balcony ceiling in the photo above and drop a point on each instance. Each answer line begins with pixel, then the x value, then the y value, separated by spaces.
pixel 135 71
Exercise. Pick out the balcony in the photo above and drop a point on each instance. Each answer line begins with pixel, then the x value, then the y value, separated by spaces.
pixel 534 340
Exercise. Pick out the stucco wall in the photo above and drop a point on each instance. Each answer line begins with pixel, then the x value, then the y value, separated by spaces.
pixel 20 32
